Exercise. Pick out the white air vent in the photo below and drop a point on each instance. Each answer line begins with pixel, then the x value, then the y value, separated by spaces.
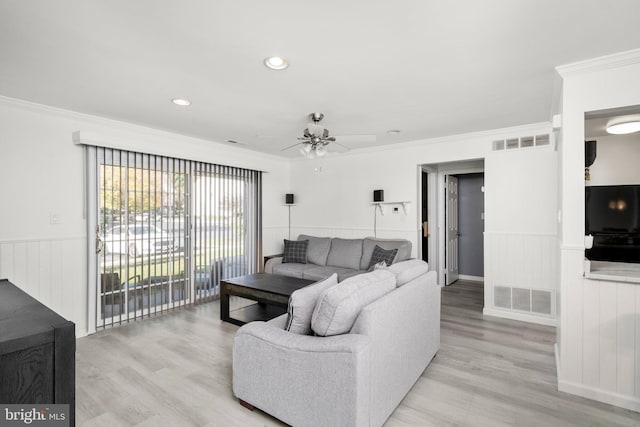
pixel 526 141
pixel 522 142
pixel 542 140
pixel 521 299
pixel 541 302
pixel 512 143
pixel 502 296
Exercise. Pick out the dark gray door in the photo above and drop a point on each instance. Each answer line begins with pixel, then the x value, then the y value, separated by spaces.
pixel 471 224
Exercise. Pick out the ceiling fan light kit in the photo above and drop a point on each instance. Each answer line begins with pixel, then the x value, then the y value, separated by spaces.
pixel 315 139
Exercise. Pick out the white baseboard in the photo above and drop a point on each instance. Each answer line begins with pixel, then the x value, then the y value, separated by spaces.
pixel 471 278
pixel 623 401
pixel 523 317
pixel 604 396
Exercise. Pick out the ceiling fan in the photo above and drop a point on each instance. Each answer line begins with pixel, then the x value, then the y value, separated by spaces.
pixel 315 139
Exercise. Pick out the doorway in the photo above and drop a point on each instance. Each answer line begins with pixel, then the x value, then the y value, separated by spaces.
pixel 452 219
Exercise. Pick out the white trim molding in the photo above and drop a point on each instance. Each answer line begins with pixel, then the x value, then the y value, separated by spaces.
pixel 602 63
pixel 471 278
pixel 599 394
pixel 523 317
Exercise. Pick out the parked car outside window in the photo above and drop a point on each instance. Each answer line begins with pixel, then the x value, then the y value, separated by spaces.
pixel 137 239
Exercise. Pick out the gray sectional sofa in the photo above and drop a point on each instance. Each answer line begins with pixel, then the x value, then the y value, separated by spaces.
pixel 348 379
pixel 345 257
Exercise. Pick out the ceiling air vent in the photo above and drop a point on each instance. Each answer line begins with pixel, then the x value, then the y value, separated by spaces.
pixel 526 141
pixel 542 140
pixel 512 143
pixel 522 142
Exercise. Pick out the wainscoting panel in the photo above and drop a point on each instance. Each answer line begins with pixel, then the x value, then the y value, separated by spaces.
pixel 51 270
pixel 600 348
pixel 356 233
pixel 521 272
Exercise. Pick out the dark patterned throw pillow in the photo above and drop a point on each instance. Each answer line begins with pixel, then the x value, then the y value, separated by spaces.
pixel 295 251
pixel 380 255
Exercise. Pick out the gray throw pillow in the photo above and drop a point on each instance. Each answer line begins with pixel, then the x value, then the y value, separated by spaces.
pixel 302 302
pixel 339 306
pixel 295 251
pixel 380 255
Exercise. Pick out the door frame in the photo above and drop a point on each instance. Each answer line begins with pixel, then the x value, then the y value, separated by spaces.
pixel 437 194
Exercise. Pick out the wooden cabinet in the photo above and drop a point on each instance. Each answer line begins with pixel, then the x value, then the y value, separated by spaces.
pixel 37 352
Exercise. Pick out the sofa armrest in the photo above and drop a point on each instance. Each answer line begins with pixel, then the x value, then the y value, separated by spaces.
pixel 404 328
pixel 268 267
pixel 300 379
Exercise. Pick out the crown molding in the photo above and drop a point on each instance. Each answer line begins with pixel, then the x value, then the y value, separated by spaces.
pixel 490 134
pixel 101 139
pixel 602 63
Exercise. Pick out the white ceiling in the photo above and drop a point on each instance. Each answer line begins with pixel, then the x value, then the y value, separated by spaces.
pixel 427 68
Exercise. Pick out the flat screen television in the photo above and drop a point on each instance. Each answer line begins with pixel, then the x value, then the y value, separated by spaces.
pixel 612 209
pixel 612 216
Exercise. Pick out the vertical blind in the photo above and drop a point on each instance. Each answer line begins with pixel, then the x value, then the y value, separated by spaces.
pixel 169 230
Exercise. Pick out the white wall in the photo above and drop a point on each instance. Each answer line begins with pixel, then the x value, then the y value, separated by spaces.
pixel 520 204
pixel 617 160
pixel 41 172
pixel 521 228
pixel 599 348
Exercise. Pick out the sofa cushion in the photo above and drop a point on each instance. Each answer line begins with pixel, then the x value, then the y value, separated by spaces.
pixel 319 273
pixel 292 270
pixel 339 306
pixel 301 305
pixel 382 255
pixel 295 251
pixel 369 243
pixel 406 271
pixel 318 249
pixel 345 253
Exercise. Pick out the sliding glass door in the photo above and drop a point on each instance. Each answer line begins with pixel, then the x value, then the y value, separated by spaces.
pixel 167 231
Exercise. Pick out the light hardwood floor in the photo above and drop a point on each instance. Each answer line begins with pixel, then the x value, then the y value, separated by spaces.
pixel 175 370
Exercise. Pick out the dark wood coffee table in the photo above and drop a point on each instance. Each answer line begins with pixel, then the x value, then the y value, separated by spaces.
pixel 271 291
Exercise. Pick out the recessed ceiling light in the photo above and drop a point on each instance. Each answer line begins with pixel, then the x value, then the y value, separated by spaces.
pixel 393 131
pixel 276 62
pixel 181 102
pixel 623 128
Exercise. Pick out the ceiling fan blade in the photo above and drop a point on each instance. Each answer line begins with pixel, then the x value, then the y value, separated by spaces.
pixel 290 147
pixel 338 148
pixel 355 139
pixel 330 138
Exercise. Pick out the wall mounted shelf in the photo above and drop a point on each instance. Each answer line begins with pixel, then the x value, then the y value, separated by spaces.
pixel 380 205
